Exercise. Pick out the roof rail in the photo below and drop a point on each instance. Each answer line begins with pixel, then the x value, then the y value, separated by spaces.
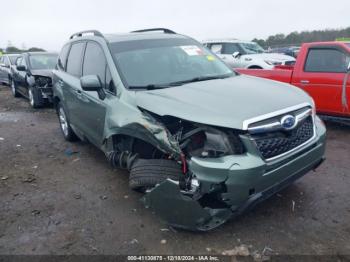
pixel 80 34
pixel 165 30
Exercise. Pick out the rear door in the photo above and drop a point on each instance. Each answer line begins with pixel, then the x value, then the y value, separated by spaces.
pixel 69 84
pixel 322 77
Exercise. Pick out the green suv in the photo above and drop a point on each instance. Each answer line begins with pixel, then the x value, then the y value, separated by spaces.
pixel 203 142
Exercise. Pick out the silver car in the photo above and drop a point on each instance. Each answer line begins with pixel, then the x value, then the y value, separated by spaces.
pixel 6 62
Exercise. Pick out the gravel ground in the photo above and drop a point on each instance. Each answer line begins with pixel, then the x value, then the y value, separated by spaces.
pixel 52 202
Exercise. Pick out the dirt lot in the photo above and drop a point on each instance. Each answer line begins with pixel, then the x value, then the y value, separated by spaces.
pixel 62 198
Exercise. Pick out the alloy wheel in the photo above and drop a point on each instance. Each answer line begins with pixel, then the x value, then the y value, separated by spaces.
pixel 63 121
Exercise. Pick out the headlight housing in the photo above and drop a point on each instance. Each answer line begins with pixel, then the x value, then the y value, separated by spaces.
pixel 271 62
pixel 209 142
pixel 42 81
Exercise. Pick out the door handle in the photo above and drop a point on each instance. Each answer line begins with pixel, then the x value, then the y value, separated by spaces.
pixel 78 91
pixel 304 81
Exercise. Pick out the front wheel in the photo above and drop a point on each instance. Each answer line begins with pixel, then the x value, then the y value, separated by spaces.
pixel 66 129
pixel 36 99
pixel 14 88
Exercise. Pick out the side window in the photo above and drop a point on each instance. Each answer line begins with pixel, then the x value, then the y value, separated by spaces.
pixel 1 60
pixel 230 48
pixel 74 59
pixel 23 62
pixel 62 58
pixel 216 48
pixel 6 61
pixel 95 62
pixel 19 60
pixel 326 60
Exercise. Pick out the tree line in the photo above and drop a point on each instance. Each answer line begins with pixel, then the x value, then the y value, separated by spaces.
pixel 13 49
pixel 297 38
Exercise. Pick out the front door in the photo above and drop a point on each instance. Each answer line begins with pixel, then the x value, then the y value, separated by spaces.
pixel 322 77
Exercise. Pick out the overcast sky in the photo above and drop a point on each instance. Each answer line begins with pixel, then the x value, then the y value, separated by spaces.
pixel 48 24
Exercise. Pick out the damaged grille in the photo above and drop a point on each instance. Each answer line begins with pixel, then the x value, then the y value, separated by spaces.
pixel 275 143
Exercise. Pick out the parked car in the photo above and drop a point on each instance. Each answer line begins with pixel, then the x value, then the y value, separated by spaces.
pixel 290 50
pixel 32 77
pixel 6 62
pixel 320 70
pixel 203 142
pixel 243 54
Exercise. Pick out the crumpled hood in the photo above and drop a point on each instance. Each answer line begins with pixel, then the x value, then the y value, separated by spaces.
pixel 42 72
pixel 272 56
pixel 222 102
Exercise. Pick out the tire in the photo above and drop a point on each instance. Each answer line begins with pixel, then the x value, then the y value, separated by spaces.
pixel 65 127
pixel 36 99
pixel 14 89
pixel 147 173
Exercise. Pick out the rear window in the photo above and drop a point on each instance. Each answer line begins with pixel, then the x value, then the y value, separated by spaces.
pixel 74 59
pixel 326 60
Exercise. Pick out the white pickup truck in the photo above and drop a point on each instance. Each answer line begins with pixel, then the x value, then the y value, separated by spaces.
pixel 243 54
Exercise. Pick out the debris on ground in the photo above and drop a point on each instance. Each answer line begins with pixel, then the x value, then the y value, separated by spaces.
pixel 103 197
pixel 241 250
pixel 134 241
pixel 29 179
pixel 77 195
pixel 2 139
pixel 126 196
pixel 293 205
pixel 18 145
pixel 163 241
pixel 70 151
pixel 164 229
pixel 4 177
pixel 35 212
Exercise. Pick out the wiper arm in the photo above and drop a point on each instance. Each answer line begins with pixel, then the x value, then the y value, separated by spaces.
pixel 178 83
pixel 198 79
pixel 150 86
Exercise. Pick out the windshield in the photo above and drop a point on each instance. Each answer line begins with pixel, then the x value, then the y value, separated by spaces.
pixel 166 62
pixel 43 61
pixel 13 59
pixel 252 48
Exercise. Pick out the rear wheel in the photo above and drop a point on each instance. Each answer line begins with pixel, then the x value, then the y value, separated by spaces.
pixel 14 88
pixel 36 99
pixel 66 129
pixel 147 173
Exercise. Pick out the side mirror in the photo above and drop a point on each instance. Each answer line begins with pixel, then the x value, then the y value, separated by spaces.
pixel 92 83
pixel 236 54
pixel 21 68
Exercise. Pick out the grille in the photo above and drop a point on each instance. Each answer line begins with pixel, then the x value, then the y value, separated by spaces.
pixel 276 143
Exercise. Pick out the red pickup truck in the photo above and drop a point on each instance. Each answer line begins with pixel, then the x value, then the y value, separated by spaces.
pixel 322 70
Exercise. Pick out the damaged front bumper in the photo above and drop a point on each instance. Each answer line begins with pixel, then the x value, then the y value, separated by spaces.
pixel 231 185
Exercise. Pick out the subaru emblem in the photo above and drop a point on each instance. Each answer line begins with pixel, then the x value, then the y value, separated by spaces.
pixel 288 122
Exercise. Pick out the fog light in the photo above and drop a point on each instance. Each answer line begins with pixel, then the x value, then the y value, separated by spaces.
pixel 194 184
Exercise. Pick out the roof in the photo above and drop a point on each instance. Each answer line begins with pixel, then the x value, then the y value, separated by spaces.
pixel 140 36
pixel 225 40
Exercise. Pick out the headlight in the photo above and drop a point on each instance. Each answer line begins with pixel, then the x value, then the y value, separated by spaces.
pixel 271 62
pixel 42 81
pixel 208 142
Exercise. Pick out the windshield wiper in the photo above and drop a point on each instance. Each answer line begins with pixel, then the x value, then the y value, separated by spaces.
pixel 199 78
pixel 178 83
pixel 153 86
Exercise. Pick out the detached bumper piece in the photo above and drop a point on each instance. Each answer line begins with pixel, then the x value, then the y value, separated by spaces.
pixel 181 211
